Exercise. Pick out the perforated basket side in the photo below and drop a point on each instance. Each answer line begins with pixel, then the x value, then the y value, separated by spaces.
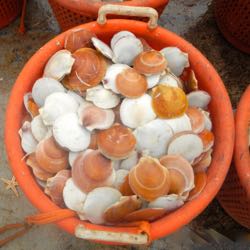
pixel 9 10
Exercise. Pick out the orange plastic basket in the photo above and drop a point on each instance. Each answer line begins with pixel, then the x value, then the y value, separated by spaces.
pixel 72 13
pixel 233 19
pixel 9 10
pixel 235 193
pixel 221 114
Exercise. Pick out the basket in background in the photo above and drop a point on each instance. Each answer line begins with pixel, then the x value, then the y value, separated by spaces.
pixel 73 13
pixel 233 19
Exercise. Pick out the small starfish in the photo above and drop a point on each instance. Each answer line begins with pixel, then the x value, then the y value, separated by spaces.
pixel 11 184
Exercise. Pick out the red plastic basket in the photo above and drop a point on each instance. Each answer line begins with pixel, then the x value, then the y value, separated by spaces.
pixel 9 10
pixel 233 19
pixel 73 13
pixel 235 193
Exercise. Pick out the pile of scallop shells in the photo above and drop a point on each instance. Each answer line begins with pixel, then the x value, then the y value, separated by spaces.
pixel 117 133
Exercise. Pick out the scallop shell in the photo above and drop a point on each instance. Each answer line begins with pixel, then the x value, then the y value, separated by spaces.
pixel 137 112
pixel 204 162
pixel 197 119
pixel 117 211
pixel 170 80
pixel 177 60
pixel 55 185
pixel 73 197
pixel 179 169
pixel 169 202
pixel 79 99
pixel 91 170
pixel 70 134
pixel 191 83
pixel 153 137
pixel 109 80
pixel 56 105
pixel 153 80
pixel 38 128
pixel 51 157
pixel 30 105
pixel 38 172
pixel 93 141
pixel 198 99
pixel 102 98
pixel 169 102
pixel 92 117
pixel 130 162
pixel 120 178
pixel 44 87
pixel 130 83
pixel 120 35
pixel 77 39
pixel 117 142
pixel 73 156
pixel 102 47
pixel 88 70
pixel 200 184
pixel 59 65
pixel 207 138
pixel 126 49
pixel 150 62
pixel 125 188
pixel 186 144
pixel 149 179
pixel 208 122
pixel 97 201
pixel 179 124
pixel 28 141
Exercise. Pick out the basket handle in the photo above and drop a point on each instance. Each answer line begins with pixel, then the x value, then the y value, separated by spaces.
pixel 151 13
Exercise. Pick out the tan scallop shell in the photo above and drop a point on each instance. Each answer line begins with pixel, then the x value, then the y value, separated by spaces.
pixel 50 156
pixel 150 62
pixel 197 119
pixel 55 185
pixel 149 179
pixel 116 142
pixel 91 170
pixel 88 70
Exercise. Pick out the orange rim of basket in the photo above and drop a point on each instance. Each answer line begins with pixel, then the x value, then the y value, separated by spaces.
pixel 221 112
pixel 86 6
pixel 241 153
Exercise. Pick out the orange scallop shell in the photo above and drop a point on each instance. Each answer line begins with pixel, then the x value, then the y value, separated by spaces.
pixel 77 39
pixel 55 185
pixel 50 156
pixel 130 83
pixel 200 181
pixel 125 189
pixel 149 179
pixel 150 62
pixel 116 212
pixel 88 70
pixel 169 102
pixel 146 214
pixel 116 142
pixel 91 170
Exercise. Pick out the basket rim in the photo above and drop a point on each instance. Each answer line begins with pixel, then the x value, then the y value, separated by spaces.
pixel 224 141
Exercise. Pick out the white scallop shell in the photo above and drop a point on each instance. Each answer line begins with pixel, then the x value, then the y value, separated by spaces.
pixel 120 177
pixel 137 112
pixel 130 162
pixel 102 47
pixel 109 80
pixel 28 141
pixel 120 35
pixel 38 128
pixel 126 49
pixel 179 124
pixel 170 80
pixel 70 134
pixel 177 60
pixel 198 99
pixel 169 202
pixel 57 104
pixel 79 99
pixel 97 201
pixel 59 65
pixel 102 98
pixel 104 122
pixel 73 197
pixel 43 87
pixel 153 137
pixel 153 80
